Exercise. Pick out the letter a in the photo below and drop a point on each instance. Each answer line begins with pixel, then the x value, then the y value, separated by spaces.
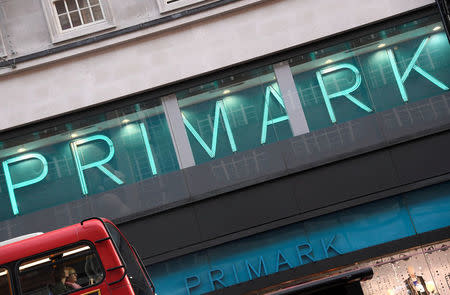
pixel 266 122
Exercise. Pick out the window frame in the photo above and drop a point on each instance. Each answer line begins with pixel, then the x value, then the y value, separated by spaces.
pixel 137 259
pixel 3 52
pixel 19 262
pixel 177 4
pixel 58 35
pixel 10 277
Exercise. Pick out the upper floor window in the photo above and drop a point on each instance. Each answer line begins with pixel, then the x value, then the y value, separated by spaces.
pixel 75 13
pixel 169 5
pixel 69 19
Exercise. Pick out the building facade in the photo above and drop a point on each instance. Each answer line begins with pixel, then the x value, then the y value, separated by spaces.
pixel 239 144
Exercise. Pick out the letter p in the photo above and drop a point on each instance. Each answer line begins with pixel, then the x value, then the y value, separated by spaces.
pixel 191 283
pixel 12 186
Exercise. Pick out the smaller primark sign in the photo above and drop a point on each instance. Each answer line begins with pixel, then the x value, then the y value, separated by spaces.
pixel 263 265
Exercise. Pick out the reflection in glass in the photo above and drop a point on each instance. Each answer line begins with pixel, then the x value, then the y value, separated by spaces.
pixel 61 272
pixel 418 271
pixel 405 63
pixel 84 157
pixel 236 113
pixel 438 260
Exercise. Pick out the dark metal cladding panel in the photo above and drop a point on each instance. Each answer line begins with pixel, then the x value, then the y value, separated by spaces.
pixel 246 208
pixel 344 180
pixel 333 143
pixel 236 171
pixel 162 233
pixel 423 158
pixel 412 120
pixel 138 199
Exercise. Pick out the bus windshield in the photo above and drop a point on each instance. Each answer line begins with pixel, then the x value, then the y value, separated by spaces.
pixel 61 271
pixel 137 275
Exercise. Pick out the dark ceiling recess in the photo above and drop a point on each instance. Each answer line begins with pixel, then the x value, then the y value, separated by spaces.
pixel 444 10
pixel 342 284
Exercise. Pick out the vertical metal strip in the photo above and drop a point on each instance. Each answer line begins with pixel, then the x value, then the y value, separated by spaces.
pixel 291 99
pixel 178 131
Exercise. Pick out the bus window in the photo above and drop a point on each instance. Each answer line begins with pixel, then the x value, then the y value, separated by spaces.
pixel 137 275
pixel 5 284
pixel 60 272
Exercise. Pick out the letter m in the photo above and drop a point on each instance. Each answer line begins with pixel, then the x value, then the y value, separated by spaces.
pixel 220 110
pixel 262 270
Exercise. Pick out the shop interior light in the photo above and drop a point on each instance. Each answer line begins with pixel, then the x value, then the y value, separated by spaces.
pixel 125 121
pixel 21 150
pixel 3 273
pixel 436 28
pixel 226 91
pixel 34 263
pixel 68 253
pixel 73 135
pixel 381 45
pixel 328 61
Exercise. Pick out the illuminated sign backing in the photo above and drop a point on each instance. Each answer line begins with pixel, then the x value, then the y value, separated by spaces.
pixel 221 118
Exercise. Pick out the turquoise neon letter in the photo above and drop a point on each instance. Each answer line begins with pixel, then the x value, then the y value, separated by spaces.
pixel 9 182
pixel 327 97
pixel 148 148
pixel 220 109
pixel 99 164
pixel 266 122
pixel 412 65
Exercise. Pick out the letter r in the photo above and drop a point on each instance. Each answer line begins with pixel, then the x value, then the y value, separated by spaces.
pixel 327 96
pixel 98 164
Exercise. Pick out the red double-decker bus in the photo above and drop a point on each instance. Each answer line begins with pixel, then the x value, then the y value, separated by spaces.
pixel 91 257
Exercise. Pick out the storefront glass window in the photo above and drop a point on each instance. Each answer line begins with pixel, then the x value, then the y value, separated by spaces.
pixel 402 64
pixel 317 239
pixel 418 271
pixel 84 157
pixel 437 257
pixel 233 114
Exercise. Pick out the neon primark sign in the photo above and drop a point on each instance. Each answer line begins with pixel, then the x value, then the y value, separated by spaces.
pixel 271 94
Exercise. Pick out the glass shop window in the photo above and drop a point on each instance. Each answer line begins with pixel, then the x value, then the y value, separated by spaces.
pixel 418 271
pixel 233 114
pixel 61 272
pixel 5 282
pixel 92 155
pixel 377 72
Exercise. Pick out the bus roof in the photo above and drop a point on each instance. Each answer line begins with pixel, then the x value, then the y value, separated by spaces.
pixel 20 238
pixel 89 230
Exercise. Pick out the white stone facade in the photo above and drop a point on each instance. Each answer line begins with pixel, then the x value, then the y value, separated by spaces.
pixel 161 54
